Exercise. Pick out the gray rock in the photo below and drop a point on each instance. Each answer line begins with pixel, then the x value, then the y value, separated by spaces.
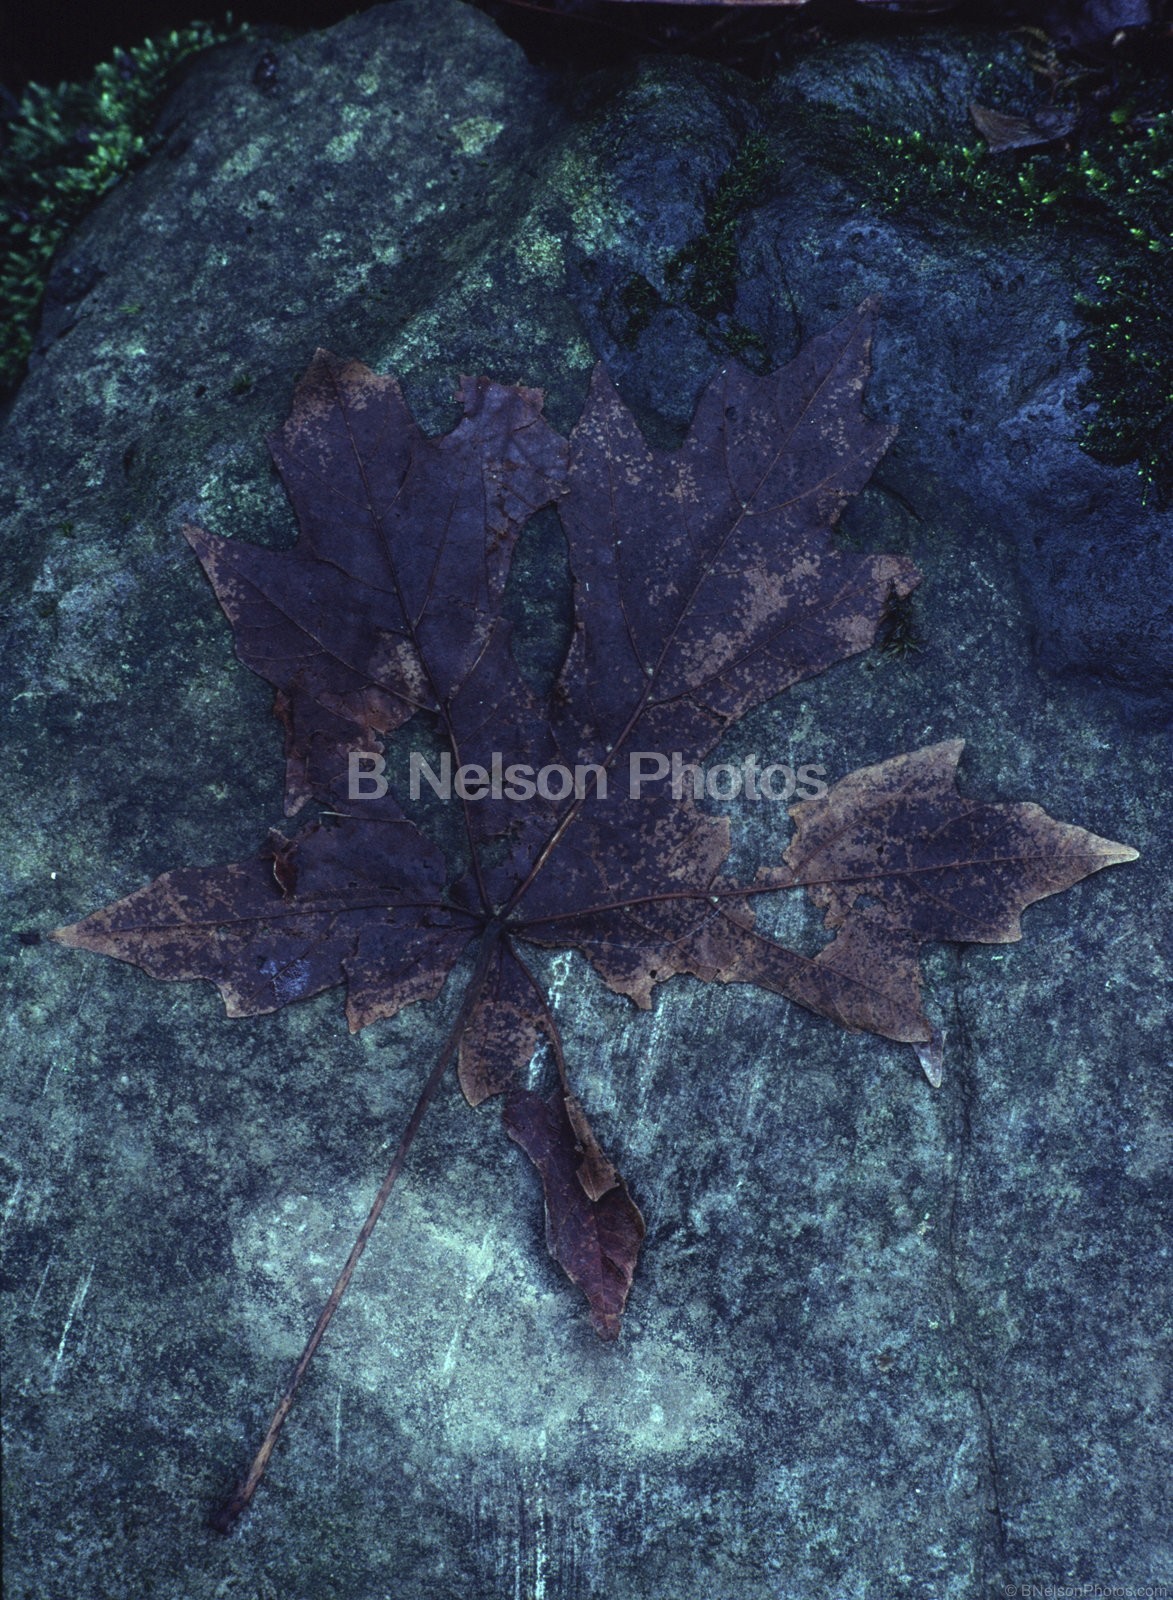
pixel 883 1340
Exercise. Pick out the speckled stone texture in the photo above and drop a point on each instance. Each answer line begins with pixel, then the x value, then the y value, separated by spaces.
pixel 884 1340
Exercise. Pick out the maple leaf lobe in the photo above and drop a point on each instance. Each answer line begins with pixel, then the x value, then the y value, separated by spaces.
pixel 941 867
pixel 366 909
pixel 896 857
pixel 735 590
pixel 594 1238
pixel 390 601
pixel 502 1032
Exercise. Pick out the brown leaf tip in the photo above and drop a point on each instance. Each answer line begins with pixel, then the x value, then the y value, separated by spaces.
pixel 595 1241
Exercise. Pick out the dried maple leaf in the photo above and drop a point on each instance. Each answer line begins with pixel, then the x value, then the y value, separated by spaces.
pixel 1003 130
pixel 706 582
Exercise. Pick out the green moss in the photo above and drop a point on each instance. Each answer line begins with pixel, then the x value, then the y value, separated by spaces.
pixel 897 633
pixel 640 300
pixel 63 149
pixel 706 268
pixel 1117 182
pixel 1131 385
pixel 702 275
pixel 748 346
pixel 1131 319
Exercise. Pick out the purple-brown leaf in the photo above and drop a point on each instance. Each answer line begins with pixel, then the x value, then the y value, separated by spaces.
pixel 593 1227
pixel 897 858
pixel 390 601
pixel 1003 130
pixel 898 838
pixel 706 581
pixel 365 911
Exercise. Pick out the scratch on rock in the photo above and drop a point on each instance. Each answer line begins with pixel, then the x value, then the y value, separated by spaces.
pixel 75 1306
pixel 41 1284
pixel 995 1476
pixel 338 1435
pixel 532 1544
pixel 13 1201
pixel 540 1551
pixel 560 969
pixel 472 1290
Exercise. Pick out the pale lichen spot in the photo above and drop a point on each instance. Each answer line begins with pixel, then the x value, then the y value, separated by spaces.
pixel 241 162
pixel 343 145
pixel 482 1307
pixel 578 355
pixel 539 254
pixel 601 220
pixel 474 135
pixel 396 664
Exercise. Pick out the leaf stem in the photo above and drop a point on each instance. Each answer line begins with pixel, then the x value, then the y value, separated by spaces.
pixel 224 1518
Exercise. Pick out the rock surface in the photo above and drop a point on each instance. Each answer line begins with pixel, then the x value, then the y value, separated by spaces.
pixel 884 1340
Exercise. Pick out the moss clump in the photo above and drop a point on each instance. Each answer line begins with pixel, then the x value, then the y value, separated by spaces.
pixel 749 347
pixel 1131 345
pixel 1116 180
pixel 705 270
pixel 1131 351
pixel 897 633
pixel 640 300
pixel 702 275
pixel 63 149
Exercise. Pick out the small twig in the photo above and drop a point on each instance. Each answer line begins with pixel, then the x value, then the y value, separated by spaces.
pixel 224 1518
